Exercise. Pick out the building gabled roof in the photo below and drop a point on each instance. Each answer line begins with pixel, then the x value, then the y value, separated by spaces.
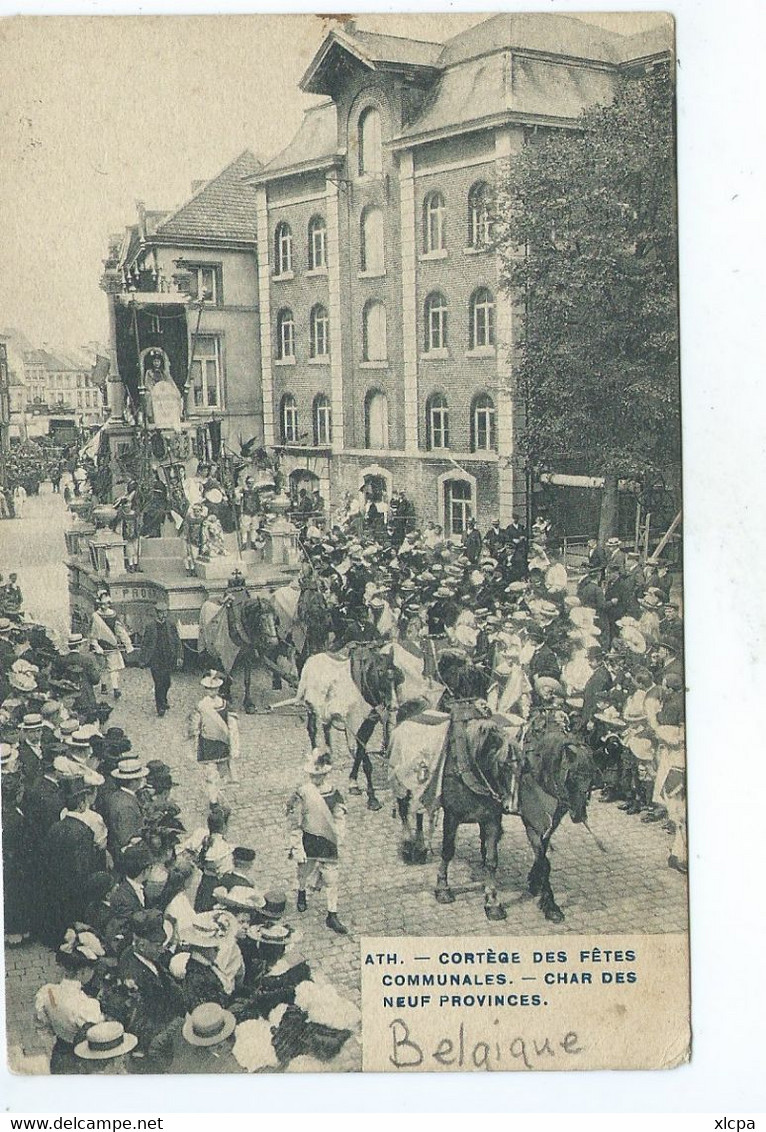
pixel 221 211
pixel 377 52
pixel 316 141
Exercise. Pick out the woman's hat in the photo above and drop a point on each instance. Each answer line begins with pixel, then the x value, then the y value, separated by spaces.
pixel 212 680
pixel 240 898
pixel 208 1024
pixel 129 770
pixel 81 945
pixel 611 716
pixel 70 768
pixel 105 1040
pixel 275 902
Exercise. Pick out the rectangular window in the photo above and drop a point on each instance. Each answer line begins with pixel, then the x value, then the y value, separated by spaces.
pixel 206 283
pixel 206 375
pixel 323 431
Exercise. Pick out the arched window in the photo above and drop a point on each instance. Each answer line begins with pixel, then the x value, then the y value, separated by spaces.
pixel 317 243
pixel 434 223
pixel 457 506
pixel 319 332
pixel 481 319
pixel 371 242
pixel 479 215
pixel 283 249
pixel 376 419
pixel 370 142
pixel 322 419
pixel 437 421
pixel 435 322
pixel 289 419
pixel 374 347
pixel 285 333
pixel 483 437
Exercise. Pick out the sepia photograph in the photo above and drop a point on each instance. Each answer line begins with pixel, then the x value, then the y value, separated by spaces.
pixel 341 543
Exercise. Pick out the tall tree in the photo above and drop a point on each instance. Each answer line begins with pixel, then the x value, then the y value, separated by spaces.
pixel 588 242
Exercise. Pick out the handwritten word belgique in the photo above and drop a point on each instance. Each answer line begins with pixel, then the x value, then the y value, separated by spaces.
pixel 462 1050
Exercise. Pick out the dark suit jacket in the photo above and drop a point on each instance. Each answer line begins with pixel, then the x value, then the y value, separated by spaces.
pixel 69 857
pixel 161 1000
pixel 161 647
pixel 124 820
pixel 43 803
pixel 544 663
pixel 600 682
pixel 123 903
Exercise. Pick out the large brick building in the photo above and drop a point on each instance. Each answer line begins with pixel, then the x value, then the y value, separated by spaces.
pixel 341 303
pixel 386 343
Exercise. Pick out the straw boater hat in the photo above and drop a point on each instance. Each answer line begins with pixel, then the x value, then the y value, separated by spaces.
pixel 8 758
pixel 31 722
pixel 69 726
pixel 208 1025
pixel 79 740
pixel 105 1040
pixel 74 640
pixel 129 770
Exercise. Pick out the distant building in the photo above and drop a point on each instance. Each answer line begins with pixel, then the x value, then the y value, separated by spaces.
pixel 186 282
pixel 57 383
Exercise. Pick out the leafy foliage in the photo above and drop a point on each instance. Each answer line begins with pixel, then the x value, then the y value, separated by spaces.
pixel 597 363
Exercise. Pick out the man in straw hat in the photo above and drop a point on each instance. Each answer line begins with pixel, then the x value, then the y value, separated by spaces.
pixel 104 1048
pixel 318 814
pixel 202 1041
pixel 122 809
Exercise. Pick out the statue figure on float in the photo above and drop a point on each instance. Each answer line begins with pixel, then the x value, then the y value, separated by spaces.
pixel 162 400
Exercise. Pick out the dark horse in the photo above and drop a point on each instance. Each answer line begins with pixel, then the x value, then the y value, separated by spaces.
pixel 552 780
pixel 252 626
pixel 558 776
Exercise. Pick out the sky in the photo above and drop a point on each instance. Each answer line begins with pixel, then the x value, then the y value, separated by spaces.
pixel 98 113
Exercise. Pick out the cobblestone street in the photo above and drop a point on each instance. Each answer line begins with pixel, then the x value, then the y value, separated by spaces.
pixel 628 888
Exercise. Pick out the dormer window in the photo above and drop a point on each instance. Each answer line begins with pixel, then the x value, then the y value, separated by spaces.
pixel 370 143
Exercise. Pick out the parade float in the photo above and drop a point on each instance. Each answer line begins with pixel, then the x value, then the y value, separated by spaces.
pixel 147 526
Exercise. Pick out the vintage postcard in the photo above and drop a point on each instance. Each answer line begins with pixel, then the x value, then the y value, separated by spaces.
pixel 341 609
